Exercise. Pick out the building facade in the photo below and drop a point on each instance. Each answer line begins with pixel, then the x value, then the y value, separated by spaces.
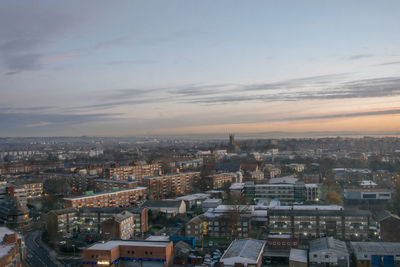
pixel 314 222
pixel 12 248
pixel 170 186
pixel 62 222
pixel 127 253
pixel 120 226
pixel 217 181
pixel 121 198
pixel 104 185
pixel 137 172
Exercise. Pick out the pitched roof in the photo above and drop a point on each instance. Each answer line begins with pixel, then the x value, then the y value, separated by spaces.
pixel 328 243
pixel 381 215
pixel 244 250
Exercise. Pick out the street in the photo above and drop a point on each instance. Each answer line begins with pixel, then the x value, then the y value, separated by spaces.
pixel 35 254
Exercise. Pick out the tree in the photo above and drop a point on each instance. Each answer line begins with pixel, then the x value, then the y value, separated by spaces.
pixel 333 198
pixel 238 210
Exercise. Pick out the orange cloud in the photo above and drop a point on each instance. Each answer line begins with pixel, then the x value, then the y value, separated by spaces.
pixel 59 57
pixel 367 123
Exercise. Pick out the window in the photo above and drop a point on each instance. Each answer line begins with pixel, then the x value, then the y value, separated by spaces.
pixel 146 252
pixel 315 255
pixel 326 256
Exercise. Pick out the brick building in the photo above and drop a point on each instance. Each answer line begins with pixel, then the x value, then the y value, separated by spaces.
pixel 389 226
pixel 217 181
pixel 308 222
pixel 61 222
pixel 125 253
pixel 126 172
pixel 120 226
pixel 194 228
pixel 282 241
pixel 121 198
pixel 12 248
pixel 169 186
pixel 104 185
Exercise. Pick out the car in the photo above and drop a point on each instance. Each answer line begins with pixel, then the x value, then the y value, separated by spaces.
pixel 210 244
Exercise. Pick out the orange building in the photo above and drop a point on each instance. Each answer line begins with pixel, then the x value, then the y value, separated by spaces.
pixel 121 253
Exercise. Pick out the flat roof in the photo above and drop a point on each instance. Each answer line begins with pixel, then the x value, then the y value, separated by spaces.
pixel 370 190
pixel 106 193
pixel 194 196
pixel 115 243
pixel 169 175
pixel 158 238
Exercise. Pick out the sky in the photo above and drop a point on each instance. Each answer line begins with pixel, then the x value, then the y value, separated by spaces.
pixel 118 68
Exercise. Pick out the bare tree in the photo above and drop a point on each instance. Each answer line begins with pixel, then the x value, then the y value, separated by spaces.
pixel 238 212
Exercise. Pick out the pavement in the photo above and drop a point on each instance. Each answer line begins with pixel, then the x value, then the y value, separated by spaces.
pixel 36 252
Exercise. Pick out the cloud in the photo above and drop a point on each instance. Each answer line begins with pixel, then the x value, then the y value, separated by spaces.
pixel 131 62
pixel 389 63
pixel 22 120
pixel 395 111
pixel 28 30
pixel 22 62
pixel 297 90
pixel 59 57
pixel 360 56
pixel 11 73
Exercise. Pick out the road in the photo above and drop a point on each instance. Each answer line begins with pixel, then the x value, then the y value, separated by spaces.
pixel 35 254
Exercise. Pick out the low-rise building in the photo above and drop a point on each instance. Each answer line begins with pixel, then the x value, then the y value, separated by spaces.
pixel 195 228
pixel 134 172
pixel 13 214
pixel 244 252
pixel 328 251
pixel 170 207
pixel 312 192
pixel 362 194
pixel 211 203
pixel 376 253
pixel 169 186
pixel 104 185
pixel 282 241
pixel 12 248
pixel 62 222
pixel 218 181
pixel 121 198
pixel 312 221
pixel 120 226
pixel 33 190
pixel 388 226
pixel 194 200
pixel 298 258
pixel 127 253
pixel 228 220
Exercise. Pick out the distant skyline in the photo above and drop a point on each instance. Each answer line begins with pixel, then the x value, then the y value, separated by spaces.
pixel 120 68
